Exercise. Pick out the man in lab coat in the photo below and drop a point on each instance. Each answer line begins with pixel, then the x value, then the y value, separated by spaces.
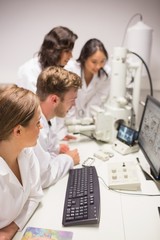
pixel 57 90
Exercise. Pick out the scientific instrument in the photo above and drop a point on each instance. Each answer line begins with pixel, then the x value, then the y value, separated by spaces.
pixel 122 105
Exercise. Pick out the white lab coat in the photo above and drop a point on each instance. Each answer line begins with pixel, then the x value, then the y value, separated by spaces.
pixel 27 78
pixel 53 165
pixel 18 202
pixel 48 136
pixel 92 94
pixel 28 74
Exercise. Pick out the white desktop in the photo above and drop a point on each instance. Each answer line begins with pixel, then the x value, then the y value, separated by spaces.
pixel 125 215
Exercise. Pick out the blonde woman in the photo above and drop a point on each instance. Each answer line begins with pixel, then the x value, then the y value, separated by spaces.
pixel 20 186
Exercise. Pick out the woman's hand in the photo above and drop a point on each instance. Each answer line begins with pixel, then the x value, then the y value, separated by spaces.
pixel 8 232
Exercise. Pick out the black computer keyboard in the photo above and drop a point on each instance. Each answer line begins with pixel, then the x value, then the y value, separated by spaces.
pixel 82 199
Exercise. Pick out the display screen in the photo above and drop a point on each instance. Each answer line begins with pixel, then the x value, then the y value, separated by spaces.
pixel 149 135
pixel 127 135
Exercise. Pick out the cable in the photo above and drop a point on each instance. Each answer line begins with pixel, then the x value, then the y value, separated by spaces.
pixel 128 193
pixel 92 138
pixel 149 76
pixel 147 175
pixel 124 36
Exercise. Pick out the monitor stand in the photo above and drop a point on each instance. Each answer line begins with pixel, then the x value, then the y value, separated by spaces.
pixel 156 180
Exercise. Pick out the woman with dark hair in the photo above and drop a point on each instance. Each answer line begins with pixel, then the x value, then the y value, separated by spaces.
pixel 56 50
pixel 94 71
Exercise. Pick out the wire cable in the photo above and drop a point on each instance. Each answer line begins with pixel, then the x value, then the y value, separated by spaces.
pixel 149 76
pixel 128 193
pixel 124 36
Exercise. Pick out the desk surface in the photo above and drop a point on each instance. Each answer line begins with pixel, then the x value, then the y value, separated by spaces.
pixel 123 216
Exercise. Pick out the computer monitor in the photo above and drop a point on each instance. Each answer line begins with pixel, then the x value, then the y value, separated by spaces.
pixel 149 135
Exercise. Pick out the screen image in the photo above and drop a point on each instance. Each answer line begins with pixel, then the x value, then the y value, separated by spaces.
pixel 149 135
pixel 126 135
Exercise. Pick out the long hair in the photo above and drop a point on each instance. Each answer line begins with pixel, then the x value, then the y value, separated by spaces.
pixel 89 48
pixel 59 39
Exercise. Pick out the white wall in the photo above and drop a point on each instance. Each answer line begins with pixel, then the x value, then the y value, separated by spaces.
pixel 23 24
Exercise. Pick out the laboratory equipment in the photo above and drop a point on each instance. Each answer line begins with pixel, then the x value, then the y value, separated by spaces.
pixel 122 105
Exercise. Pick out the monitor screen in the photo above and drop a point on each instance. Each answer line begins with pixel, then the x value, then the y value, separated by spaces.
pixel 127 135
pixel 149 135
